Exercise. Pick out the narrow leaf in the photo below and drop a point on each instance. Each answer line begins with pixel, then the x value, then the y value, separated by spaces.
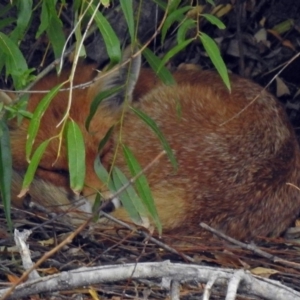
pixel 213 52
pixel 163 73
pixel 56 34
pixel 97 101
pixel 129 198
pixel 128 13
pixel 184 28
pixel 6 22
pixel 174 51
pixel 175 16
pixel 96 205
pixel 110 38
pixel 142 187
pixel 211 2
pixel 161 3
pixel 214 20
pixel 24 16
pixel 35 160
pixel 105 3
pixel 103 175
pixel 36 119
pixel 150 122
pixel 5 9
pixel 44 17
pixel 173 5
pixel 5 171
pixel 76 156
pixel 15 62
pixel 105 139
pixel 80 50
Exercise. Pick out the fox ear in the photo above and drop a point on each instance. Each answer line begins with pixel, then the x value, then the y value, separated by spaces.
pixel 122 78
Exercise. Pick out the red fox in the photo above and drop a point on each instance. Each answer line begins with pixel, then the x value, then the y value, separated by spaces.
pixel 238 171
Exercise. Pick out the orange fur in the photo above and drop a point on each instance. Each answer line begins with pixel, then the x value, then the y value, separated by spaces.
pixel 233 171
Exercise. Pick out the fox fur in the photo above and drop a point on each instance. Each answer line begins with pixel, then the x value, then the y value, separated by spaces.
pixel 238 167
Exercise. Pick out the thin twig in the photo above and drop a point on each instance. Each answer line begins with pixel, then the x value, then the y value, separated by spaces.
pixel 46 256
pixel 78 230
pixel 251 247
pixel 148 236
pixel 264 89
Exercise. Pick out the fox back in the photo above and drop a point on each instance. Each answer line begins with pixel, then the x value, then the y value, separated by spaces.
pixel 237 154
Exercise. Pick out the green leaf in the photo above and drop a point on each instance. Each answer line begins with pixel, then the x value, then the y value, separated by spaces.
pixel 6 22
pixel 79 49
pixel 55 30
pixel 161 3
pixel 174 51
pixel 44 17
pixel 213 52
pixel 163 73
pixel 284 26
pixel 106 138
pixel 173 5
pixel 5 171
pixel 96 205
pixel 142 187
pixel 77 5
pixel 184 28
pixel 36 119
pixel 159 134
pixel 18 109
pixel 214 20
pixel 35 160
pixel 111 40
pixel 106 3
pixel 129 198
pixel 96 102
pixel 211 2
pixel 18 112
pixel 175 16
pixel 128 13
pixel 15 62
pixel 76 156
pixel 103 175
pixel 5 9
pixel 24 16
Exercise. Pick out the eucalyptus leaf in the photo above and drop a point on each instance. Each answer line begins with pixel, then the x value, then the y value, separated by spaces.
pixel 142 187
pixel 150 122
pixel 128 13
pixel 129 198
pixel 36 119
pixel 35 160
pixel 24 16
pixel 184 28
pixel 15 62
pixel 162 72
pixel 5 171
pixel 110 38
pixel 213 52
pixel 76 156
pixel 175 16
pixel 103 175
pixel 173 51
pixel 214 20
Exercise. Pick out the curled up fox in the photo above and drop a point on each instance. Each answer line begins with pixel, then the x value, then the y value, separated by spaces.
pixel 238 159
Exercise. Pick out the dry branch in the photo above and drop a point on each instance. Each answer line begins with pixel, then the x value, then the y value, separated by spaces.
pixel 183 273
